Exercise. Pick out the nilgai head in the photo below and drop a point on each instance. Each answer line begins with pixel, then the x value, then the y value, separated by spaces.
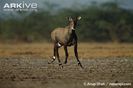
pixel 73 22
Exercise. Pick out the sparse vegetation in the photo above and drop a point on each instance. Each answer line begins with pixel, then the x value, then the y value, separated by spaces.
pixel 86 50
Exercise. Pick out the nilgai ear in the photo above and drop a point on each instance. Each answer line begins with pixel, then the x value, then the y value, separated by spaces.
pixel 70 19
pixel 79 18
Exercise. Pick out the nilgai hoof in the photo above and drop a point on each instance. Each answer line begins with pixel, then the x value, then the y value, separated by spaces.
pixel 80 65
pixel 61 65
pixel 53 59
pixel 49 62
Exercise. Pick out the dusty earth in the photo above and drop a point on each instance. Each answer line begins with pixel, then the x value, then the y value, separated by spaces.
pixel 35 72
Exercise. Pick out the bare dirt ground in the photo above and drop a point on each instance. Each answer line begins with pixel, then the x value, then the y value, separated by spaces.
pixel 26 66
pixel 35 72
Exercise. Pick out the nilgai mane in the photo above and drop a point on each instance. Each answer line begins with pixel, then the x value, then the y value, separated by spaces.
pixel 65 37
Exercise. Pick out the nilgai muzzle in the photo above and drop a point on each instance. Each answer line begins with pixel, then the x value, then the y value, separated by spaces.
pixel 65 37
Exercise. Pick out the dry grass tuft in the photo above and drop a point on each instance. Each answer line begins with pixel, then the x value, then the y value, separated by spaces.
pixel 86 50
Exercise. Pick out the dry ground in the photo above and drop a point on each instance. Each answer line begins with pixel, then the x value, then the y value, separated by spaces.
pixel 26 66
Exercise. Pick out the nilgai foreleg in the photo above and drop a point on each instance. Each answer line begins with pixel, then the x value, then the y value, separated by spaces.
pixel 66 53
pixel 57 54
pixel 76 55
pixel 54 56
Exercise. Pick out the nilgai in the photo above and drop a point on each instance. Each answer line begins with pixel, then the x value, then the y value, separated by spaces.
pixel 65 37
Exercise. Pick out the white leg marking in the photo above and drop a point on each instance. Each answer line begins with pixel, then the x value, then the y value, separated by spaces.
pixel 58 44
pixel 53 57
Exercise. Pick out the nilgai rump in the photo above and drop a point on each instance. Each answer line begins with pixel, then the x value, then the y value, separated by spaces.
pixel 65 37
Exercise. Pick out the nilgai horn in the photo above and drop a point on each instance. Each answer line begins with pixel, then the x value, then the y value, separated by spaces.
pixel 65 37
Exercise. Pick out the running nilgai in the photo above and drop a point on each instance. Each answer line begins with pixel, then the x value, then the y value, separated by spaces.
pixel 65 37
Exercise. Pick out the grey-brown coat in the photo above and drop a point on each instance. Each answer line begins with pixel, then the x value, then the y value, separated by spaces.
pixel 65 37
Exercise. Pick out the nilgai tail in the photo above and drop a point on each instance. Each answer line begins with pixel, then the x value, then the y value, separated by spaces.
pixel 65 37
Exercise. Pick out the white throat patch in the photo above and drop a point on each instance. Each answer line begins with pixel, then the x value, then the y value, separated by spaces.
pixel 72 28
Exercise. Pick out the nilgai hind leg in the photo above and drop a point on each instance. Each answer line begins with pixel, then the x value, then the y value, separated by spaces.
pixel 66 53
pixel 76 55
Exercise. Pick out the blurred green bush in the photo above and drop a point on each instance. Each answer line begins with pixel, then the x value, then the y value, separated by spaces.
pixel 100 23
